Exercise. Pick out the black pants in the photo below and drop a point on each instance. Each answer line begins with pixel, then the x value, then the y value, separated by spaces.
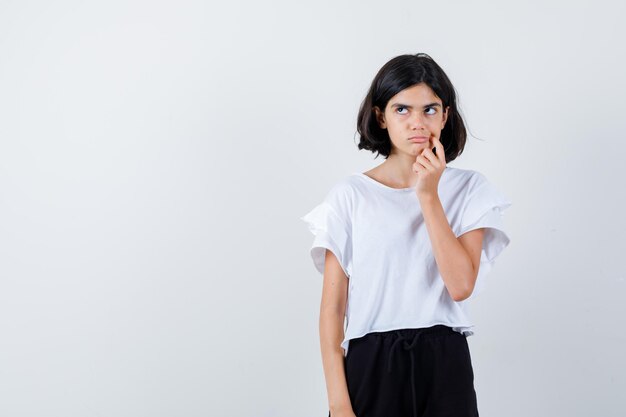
pixel 411 372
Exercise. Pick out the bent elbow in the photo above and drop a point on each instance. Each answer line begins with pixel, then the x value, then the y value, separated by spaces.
pixel 458 297
pixel 462 294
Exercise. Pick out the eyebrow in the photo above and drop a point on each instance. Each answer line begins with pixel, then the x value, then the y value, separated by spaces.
pixel 410 107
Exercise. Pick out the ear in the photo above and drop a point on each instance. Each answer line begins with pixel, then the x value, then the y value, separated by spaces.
pixel 380 118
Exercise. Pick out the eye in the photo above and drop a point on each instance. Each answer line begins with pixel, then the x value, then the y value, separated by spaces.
pixel 400 108
pixel 432 108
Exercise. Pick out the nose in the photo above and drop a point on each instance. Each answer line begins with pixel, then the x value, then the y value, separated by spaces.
pixel 415 122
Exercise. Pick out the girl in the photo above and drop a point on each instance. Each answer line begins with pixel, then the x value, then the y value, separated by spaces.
pixel 402 248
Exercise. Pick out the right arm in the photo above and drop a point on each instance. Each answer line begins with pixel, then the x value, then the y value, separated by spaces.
pixel 332 311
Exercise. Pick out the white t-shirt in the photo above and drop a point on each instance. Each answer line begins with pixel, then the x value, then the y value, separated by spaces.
pixel 379 237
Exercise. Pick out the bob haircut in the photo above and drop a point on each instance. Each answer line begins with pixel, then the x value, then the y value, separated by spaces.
pixel 399 73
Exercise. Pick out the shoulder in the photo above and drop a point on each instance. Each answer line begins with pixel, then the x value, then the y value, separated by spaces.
pixel 455 172
pixel 475 188
pixel 344 184
pixel 341 193
pixel 463 179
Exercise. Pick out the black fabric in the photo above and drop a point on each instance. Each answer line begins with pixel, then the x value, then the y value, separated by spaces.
pixel 423 372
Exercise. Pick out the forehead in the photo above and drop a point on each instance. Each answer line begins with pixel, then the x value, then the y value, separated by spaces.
pixel 419 94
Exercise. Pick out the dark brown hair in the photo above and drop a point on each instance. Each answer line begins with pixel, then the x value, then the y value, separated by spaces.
pixel 399 73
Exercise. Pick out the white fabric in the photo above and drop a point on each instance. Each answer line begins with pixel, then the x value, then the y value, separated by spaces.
pixel 379 236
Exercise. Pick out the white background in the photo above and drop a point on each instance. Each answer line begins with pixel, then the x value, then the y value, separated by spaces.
pixel 155 158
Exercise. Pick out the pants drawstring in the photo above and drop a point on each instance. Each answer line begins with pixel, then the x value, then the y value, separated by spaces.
pixel 407 346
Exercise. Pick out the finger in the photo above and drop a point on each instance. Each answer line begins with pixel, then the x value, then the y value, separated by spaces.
pixel 420 163
pixel 439 147
pixel 421 159
pixel 433 159
pixel 428 153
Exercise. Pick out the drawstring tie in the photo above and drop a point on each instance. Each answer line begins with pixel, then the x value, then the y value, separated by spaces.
pixel 407 346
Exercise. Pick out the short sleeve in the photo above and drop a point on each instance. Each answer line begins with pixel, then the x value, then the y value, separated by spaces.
pixel 483 207
pixel 331 232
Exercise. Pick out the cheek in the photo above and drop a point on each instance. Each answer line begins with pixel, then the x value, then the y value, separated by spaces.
pixel 435 125
pixel 394 127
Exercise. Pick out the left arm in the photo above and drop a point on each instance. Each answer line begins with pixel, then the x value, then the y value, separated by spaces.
pixel 457 258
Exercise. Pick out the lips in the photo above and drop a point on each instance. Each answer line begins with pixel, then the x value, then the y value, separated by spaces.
pixel 419 139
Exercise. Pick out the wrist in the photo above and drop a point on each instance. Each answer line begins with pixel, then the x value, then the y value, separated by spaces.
pixel 426 198
pixel 340 407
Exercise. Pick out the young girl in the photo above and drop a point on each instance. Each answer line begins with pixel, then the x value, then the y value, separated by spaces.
pixel 402 248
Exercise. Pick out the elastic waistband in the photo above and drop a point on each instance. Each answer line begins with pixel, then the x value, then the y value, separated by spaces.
pixel 438 329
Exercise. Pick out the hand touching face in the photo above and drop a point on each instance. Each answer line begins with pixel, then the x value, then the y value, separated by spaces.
pixel 413 118
pixel 429 168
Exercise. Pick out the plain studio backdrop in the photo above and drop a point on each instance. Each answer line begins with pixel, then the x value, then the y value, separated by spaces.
pixel 156 157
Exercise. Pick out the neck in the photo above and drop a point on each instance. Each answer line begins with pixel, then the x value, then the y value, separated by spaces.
pixel 398 168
